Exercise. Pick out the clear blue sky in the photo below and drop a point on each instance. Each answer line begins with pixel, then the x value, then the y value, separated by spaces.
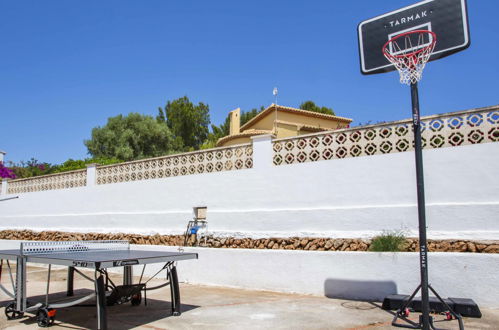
pixel 66 66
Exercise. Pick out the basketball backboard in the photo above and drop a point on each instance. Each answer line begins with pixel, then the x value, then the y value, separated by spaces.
pixel 448 19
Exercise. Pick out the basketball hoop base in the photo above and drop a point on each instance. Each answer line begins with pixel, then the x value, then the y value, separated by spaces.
pixel 402 313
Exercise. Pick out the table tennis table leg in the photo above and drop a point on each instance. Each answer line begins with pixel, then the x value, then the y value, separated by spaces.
pixel 20 292
pixel 100 292
pixel 127 275
pixel 71 277
pixel 174 291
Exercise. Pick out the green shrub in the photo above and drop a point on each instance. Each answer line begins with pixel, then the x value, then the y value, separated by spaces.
pixel 30 168
pixel 33 167
pixel 78 164
pixel 389 240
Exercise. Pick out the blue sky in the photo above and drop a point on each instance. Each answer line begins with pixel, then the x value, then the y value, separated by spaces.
pixel 66 66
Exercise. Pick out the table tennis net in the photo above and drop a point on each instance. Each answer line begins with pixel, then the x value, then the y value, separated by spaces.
pixel 44 247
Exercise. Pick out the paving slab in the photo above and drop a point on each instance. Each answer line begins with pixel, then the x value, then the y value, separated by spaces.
pixel 206 307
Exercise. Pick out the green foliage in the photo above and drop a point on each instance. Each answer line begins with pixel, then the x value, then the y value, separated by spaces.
pixel 246 116
pixel 311 106
pixel 72 164
pixel 393 241
pixel 188 122
pixel 30 168
pixel 209 143
pixel 222 130
pixel 161 117
pixel 130 137
pixel 216 133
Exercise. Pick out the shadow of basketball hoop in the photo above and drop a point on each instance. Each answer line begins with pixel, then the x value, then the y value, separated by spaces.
pixel 358 290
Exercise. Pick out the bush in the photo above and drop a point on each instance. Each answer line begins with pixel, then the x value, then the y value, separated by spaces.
pixel 6 172
pixel 31 168
pixel 72 164
pixel 392 241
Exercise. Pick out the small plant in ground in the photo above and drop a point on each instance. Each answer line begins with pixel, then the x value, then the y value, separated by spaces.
pixel 389 241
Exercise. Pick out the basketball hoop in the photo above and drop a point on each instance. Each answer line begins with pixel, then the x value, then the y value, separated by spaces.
pixel 410 46
pixel 409 52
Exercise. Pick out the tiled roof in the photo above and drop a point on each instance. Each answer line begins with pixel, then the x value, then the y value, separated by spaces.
pixel 272 107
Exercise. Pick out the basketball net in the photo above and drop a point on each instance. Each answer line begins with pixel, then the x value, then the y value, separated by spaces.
pixel 409 52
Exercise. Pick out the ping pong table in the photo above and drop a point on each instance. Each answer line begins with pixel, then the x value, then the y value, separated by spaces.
pixel 97 256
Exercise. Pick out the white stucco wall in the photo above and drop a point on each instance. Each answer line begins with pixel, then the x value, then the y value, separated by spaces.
pixel 347 275
pixel 352 197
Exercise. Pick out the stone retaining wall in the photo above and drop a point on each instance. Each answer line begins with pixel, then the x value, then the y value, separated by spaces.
pixel 291 243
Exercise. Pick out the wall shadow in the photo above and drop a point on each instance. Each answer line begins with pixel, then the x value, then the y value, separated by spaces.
pixel 358 289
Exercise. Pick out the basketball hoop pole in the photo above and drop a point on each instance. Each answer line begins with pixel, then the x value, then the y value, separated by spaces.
pixel 423 250
pixel 425 320
pixel 409 53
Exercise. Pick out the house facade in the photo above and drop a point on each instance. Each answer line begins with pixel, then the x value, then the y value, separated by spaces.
pixel 281 122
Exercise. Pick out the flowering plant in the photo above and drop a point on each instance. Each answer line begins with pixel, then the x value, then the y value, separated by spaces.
pixel 6 172
pixel 32 167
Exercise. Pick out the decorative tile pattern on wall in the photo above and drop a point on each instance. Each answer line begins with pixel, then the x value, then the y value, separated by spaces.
pixel 198 162
pixel 439 131
pixel 48 182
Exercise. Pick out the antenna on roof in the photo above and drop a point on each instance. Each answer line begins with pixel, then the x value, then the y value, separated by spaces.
pixel 275 92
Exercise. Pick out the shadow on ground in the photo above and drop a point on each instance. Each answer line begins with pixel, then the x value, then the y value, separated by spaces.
pixel 358 290
pixel 123 316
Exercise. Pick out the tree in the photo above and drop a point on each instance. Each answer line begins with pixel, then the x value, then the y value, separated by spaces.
pixel 188 122
pixel 216 133
pixel 130 137
pixel 246 116
pixel 311 106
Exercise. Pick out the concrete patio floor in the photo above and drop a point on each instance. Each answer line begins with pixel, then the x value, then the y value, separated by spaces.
pixel 207 307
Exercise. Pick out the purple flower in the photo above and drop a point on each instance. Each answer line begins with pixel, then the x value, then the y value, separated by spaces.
pixel 6 172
